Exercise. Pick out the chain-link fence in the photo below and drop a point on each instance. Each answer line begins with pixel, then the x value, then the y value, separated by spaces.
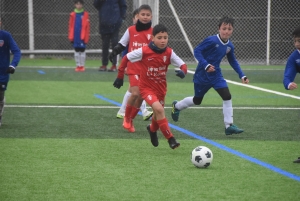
pixel 49 27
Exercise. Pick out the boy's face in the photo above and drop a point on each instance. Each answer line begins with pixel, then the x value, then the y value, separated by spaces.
pixel 225 31
pixel 78 6
pixel 145 16
pixel 297 43
pixel 160 40
pixel 135 19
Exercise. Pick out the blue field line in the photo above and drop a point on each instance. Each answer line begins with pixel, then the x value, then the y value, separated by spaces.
pixel 220 146
pixel 41 72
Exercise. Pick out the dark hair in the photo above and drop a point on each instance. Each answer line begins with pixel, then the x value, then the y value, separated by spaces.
pixel 296 32
pixel 78 1
pixel 135 12
pixel 226 20
pixel 144 7
pixel 159 28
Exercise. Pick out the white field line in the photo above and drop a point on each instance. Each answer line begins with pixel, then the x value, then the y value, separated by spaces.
pixel 257 88
pixel 114 107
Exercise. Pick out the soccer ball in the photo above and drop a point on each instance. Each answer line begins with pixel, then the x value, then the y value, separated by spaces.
pixel 201 157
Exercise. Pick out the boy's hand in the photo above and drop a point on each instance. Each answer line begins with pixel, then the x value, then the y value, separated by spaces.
pixel 293 86
pixel 112 56
pixel 210 68
pixel 180 73
pixel 10 70
pixel 245 80
pixel 118 83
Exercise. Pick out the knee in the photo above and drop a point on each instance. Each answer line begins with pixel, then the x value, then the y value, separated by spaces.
pixel 197 100
pixel 226 97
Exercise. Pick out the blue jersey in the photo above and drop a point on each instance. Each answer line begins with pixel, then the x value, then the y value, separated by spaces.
pixel 291 68
pixel 78 42
pixel 211 51
pixel 7 45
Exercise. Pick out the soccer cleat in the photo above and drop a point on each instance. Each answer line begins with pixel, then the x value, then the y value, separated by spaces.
pixel 153 137
pixel 120 115
pixel 173 143
pixel 232 129
pixel 77 69
pixel 297 161
pixel 175 112
pixel 81 69
pixel 102 68
pixel 113 69
pixel 128 125
pixel 147 115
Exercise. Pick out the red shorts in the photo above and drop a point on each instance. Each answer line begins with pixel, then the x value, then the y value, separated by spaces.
pixel 134 80
pixel 150 97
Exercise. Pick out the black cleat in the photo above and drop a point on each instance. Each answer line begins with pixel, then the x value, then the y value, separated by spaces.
pixel 153 137
pixel 297 161
pixel 173 143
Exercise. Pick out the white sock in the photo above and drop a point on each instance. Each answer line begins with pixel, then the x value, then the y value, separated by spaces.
pixel 82 58
pixel 228 113
pixel 185 103
pixel 124 102
pixel 143 107
pixel 77 59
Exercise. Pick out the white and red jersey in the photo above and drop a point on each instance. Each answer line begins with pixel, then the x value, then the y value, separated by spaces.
pixel 135 39
pixel 153 69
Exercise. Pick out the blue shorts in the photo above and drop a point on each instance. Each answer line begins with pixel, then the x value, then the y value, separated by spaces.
pixel 200 89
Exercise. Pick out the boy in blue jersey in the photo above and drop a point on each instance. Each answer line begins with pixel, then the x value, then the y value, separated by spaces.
pixel 7 45
pixel 209 54
pixel 292 67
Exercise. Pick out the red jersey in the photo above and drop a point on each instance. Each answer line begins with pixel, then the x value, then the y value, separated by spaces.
pixel 153 68
pixel 135 39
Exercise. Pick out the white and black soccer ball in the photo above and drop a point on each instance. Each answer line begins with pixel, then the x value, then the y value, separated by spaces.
pixel 201 157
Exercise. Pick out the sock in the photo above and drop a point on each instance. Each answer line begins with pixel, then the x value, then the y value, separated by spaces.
pixel 154 125
pixel 124 102
pixel 82 56
pixel 143 107
pixel 77 59
pixel 134 112
pixel 228 113
pixel 128 111
pixel 164 127
pixel 185 103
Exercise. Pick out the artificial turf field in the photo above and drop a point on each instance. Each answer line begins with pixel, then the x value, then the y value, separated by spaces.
pixel 60 139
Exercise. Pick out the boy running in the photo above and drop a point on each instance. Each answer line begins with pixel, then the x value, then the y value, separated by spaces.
pixel 154 60
pixel 209 54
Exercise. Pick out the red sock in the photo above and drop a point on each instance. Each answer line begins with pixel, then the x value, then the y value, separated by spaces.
pixel 134 112
pixel 128 111
pixel 154 126
pixel 164 127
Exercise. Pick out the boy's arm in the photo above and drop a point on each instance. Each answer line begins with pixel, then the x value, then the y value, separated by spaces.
pixel 205 44
pixel 124 41
pixel 290 72
pixel 133 56
pixel 179 63
pixel 15 51
pixel 234 64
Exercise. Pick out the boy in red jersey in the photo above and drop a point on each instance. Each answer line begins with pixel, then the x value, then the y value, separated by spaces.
pixel 136 36
pixel 154 60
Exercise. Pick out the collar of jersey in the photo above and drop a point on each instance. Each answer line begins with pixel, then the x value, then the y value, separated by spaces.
pixel 78 11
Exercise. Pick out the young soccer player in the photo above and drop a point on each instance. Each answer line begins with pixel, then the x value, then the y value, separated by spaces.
pixel 292 67
pixel 209 54
pixel 7 45
pixel 154 60
pixel 136 36
pixel 121 113
pixel 79 33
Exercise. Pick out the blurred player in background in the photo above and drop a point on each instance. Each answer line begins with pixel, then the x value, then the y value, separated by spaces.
pixel 121 113
pixel 154 60
pixel 7 46
pixel 79 33
pixel 135 37
pixel 292 67
pixel 209 54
